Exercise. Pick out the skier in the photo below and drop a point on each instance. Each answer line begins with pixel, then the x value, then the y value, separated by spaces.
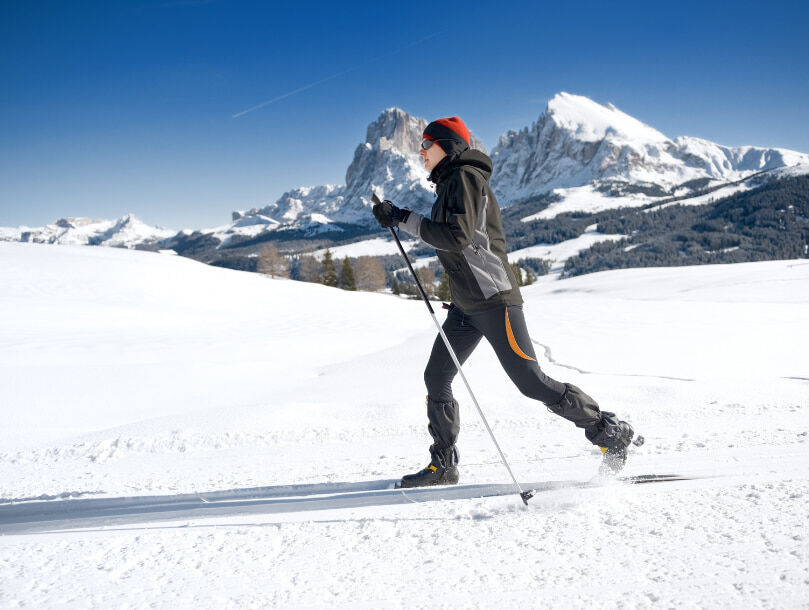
pixel 466 231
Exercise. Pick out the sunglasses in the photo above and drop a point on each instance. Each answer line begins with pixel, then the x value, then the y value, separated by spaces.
pixel 426 144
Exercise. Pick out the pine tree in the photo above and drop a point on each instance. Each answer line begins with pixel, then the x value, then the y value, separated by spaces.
pixel 395 285
pixel 329 273
pixel 347 276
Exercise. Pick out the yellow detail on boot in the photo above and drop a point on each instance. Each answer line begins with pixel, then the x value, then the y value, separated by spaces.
pixel 603 450
pixel 431 467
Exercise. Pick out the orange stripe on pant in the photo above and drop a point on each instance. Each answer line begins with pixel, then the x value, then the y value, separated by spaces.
pixel 513 342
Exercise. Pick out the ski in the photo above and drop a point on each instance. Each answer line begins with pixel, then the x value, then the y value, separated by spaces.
pixel 60 515
pixel 655 478
pixel 458 492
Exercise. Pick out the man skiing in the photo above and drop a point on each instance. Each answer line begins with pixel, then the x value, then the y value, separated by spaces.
pixel 466 231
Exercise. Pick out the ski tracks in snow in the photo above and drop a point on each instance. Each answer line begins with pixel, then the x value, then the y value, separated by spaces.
pixel 549 357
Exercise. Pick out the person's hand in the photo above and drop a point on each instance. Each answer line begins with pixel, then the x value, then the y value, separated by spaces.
pixel 388 215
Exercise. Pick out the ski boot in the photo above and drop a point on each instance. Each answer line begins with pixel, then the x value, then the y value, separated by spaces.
pixel 613 437
pixel 442 470
pixel 445 423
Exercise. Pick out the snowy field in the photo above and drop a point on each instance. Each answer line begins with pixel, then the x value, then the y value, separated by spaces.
pixel 559 253
pixel 178 435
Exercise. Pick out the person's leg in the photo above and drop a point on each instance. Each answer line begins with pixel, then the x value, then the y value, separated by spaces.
pixel 443 412
pixel 440 369
pixel 507 332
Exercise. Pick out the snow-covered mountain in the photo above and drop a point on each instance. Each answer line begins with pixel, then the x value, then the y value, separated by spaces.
pixel 387 163
pixel 589 157
pixel 596 157
pixel 128 231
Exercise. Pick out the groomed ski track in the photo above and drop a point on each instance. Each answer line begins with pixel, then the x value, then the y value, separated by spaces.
pixel 73 514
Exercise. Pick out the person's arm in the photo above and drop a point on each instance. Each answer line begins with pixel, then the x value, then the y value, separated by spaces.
pixel 463 206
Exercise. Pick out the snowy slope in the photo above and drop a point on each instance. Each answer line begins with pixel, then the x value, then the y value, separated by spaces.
pixel 127 374
pixel 559 253
pixel 589 198
pixel 369 247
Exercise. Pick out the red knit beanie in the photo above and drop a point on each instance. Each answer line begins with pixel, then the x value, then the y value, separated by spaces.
pixel 449 133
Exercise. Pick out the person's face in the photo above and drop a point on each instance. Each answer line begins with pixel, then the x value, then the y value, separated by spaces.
pixel 432 156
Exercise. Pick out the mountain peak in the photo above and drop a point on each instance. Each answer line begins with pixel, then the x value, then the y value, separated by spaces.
pixel 128 231
pixel 579 143
pixel 590 121
pixel 394 128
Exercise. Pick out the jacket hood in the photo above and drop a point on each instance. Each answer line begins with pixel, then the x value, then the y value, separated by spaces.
pixel 469 157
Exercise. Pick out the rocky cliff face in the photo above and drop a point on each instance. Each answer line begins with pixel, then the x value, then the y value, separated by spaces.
pixel 387 163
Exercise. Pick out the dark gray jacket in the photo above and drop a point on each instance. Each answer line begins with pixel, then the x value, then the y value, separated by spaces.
pixel 466 230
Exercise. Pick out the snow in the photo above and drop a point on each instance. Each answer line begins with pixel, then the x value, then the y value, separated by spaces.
pixel 791 171
pixel 127 231
pixel 577 144
pixel 378 246
pixel 592 122
pixel 126 374
pixel 559 253
pixel 12 233
pixel 720 193
pixel 586 199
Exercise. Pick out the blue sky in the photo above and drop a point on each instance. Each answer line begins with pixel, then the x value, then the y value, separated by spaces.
pixel 115 107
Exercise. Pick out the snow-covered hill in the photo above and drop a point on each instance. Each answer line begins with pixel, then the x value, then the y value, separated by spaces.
pixel 286 410
pixel 592 198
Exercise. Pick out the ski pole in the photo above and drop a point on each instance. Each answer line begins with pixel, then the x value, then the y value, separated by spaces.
pixel 525 495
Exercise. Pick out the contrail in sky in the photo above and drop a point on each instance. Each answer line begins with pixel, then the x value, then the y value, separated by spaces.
pixel 333 76
pixel 288 93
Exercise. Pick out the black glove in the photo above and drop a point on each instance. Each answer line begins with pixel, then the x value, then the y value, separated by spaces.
pixel 388 215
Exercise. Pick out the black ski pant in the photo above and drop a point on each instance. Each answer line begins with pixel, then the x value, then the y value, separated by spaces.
pixel 506 331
